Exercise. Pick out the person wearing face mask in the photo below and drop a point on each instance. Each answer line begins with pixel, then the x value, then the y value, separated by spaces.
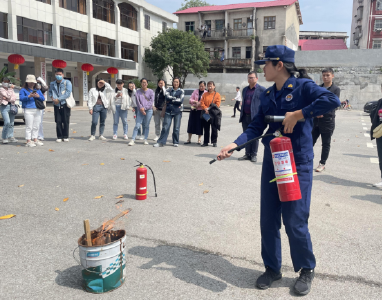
pixel 59 91
pixel 120 102
pixel 7 98
pixel 29 95
pixel 42 86
pixel 98 104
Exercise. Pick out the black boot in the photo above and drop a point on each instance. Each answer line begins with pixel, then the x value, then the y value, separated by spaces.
pixel 266 279
pixel 303 284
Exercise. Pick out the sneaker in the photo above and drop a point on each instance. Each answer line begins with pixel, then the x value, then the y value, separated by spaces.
pixel 253 158
pixel 30 144
pixel 5 141
pixel 141 137
pixel 126 137
pixel 131 143
pixel 175 145
pixel 378 185
pixel 204 145
pixel 59 140
pixel 266 279
pixel 13 140
pixel 92 138
pixel 146 142
pixel 66 140
pixel 102 138
pixel 40 138
pixel 215 145
pixel 158 145
pixel 39 143
pixel 114 137
pixel 303 284
pixel 245 157
pixel 156 138
pixel 320 168
pixel 233 116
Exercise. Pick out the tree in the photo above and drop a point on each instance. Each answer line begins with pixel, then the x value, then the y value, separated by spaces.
pixel 178 53
pixel 193 3
pixel 10 75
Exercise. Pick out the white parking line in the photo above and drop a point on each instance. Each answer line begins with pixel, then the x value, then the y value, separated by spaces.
pixel 367 135
pixel 370 145
pixel 364 128
pixel 374 160
pixel 364 124
pixel 55 123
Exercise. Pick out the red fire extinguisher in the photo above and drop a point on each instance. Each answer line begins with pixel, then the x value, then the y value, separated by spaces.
pixel 285 169
pixel 142 181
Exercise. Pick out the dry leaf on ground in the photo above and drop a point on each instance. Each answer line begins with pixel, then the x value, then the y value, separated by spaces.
pixel 84 164
pixel 122 158
pixel 50 150
pixel 74 132
pixel 166 160
pixel 56 209
pixel 119 197
pixel 205 192
pixel 7 217
pixel 201 184
pixel 120 201
pixel 66 199
pixel 21 185
pixel 99 197
pixel 102 164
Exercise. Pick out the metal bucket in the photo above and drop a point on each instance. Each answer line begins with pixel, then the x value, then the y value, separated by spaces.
pixel 104 266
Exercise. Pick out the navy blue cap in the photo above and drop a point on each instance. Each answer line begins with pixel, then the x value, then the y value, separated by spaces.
pixel 278 53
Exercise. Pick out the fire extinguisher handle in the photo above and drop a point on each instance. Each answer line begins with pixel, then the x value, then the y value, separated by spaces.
pixel 277 119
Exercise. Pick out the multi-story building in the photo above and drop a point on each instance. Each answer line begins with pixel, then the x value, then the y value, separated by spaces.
pixel 104 33
pixel 323 35
pixel 322 40
pixel 366 26
pixel 238 34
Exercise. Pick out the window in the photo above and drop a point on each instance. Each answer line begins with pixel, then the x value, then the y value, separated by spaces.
pixel 164 26
pixel 103 10
pixel 129 51
pixel 128 16
pixel 208 23
pixel 237 23
pixel 73 40
pixel 189 26
pixel 378 25
pixel 264 49
pixel 104 46
pixel 269 23
pixel 248 52
pixel 147 22
pixel 219 24
pixel 44 1
pixel 378 4
pixel 3 25
pixel 377 44
pixel 188 92
pixel 34 31
pixel 73 5
pixel 236 52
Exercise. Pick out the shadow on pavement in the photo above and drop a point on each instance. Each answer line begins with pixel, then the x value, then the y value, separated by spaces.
pixel 372 198
pixel 208 271
pixel 361 155
pixel 70 277
pixel 339 181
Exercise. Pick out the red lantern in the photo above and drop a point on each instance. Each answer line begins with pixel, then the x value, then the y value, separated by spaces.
pixel 16 59
pixel 59 64
pixel 112 71
pixel 87 68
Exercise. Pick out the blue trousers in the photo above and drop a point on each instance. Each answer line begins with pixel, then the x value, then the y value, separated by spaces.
pixel 166 128
pixel 295 215
pixel 99 112
pixel 123 114
pixel 9 121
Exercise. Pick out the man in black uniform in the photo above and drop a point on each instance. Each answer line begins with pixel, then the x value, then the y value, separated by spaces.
pixel 324 125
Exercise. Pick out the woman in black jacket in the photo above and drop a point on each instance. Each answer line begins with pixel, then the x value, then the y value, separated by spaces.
pixel 376 120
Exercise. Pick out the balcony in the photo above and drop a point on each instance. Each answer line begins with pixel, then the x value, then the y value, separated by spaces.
pixel 211 35
pixel 230 63
pixel 225 34
pixel 240 33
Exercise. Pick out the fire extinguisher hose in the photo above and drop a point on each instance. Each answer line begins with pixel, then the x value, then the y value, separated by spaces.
pixel 282 176
pixel 154 178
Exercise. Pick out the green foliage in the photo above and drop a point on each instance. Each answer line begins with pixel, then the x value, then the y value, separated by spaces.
pixel 137 83
pixel 216 54
pixel 259 70
pixel 193 3
pixel 10 75
pixel 178 53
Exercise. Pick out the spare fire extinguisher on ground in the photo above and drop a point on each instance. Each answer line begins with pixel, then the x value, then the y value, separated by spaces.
pixel 142 181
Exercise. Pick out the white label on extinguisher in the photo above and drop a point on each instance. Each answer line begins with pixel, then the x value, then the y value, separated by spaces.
pixel 143 188
pixel 282 166
pixel 142 176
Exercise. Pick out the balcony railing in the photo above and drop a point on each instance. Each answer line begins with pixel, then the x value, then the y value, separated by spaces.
pixel 245 32
pixel 222 34
pixel 231 62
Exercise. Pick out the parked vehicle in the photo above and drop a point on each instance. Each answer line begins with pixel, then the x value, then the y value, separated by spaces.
pixel 370 106
pixel 20 114
pixel 188 93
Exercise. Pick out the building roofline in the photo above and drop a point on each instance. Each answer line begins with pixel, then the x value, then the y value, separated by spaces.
pixel 152 9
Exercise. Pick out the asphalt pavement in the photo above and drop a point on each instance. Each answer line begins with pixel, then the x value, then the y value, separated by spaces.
pixel 200 238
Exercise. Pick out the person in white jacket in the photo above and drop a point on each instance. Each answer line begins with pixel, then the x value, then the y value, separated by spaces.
pixel 98 104
pixel 120 103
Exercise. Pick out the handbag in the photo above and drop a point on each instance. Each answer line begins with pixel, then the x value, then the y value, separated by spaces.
pixel 70 102
pixel 204 115
pixel 377 132
pixel 14 109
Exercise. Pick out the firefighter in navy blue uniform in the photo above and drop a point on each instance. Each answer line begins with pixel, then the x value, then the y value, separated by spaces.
pixel 295 98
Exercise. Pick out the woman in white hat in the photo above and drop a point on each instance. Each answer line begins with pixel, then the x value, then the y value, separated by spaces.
pixel 30 97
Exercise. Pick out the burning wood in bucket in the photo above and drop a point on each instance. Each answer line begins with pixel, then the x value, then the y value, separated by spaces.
pixel 104 234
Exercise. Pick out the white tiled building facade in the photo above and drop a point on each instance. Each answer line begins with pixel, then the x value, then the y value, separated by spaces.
pixel 107 30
